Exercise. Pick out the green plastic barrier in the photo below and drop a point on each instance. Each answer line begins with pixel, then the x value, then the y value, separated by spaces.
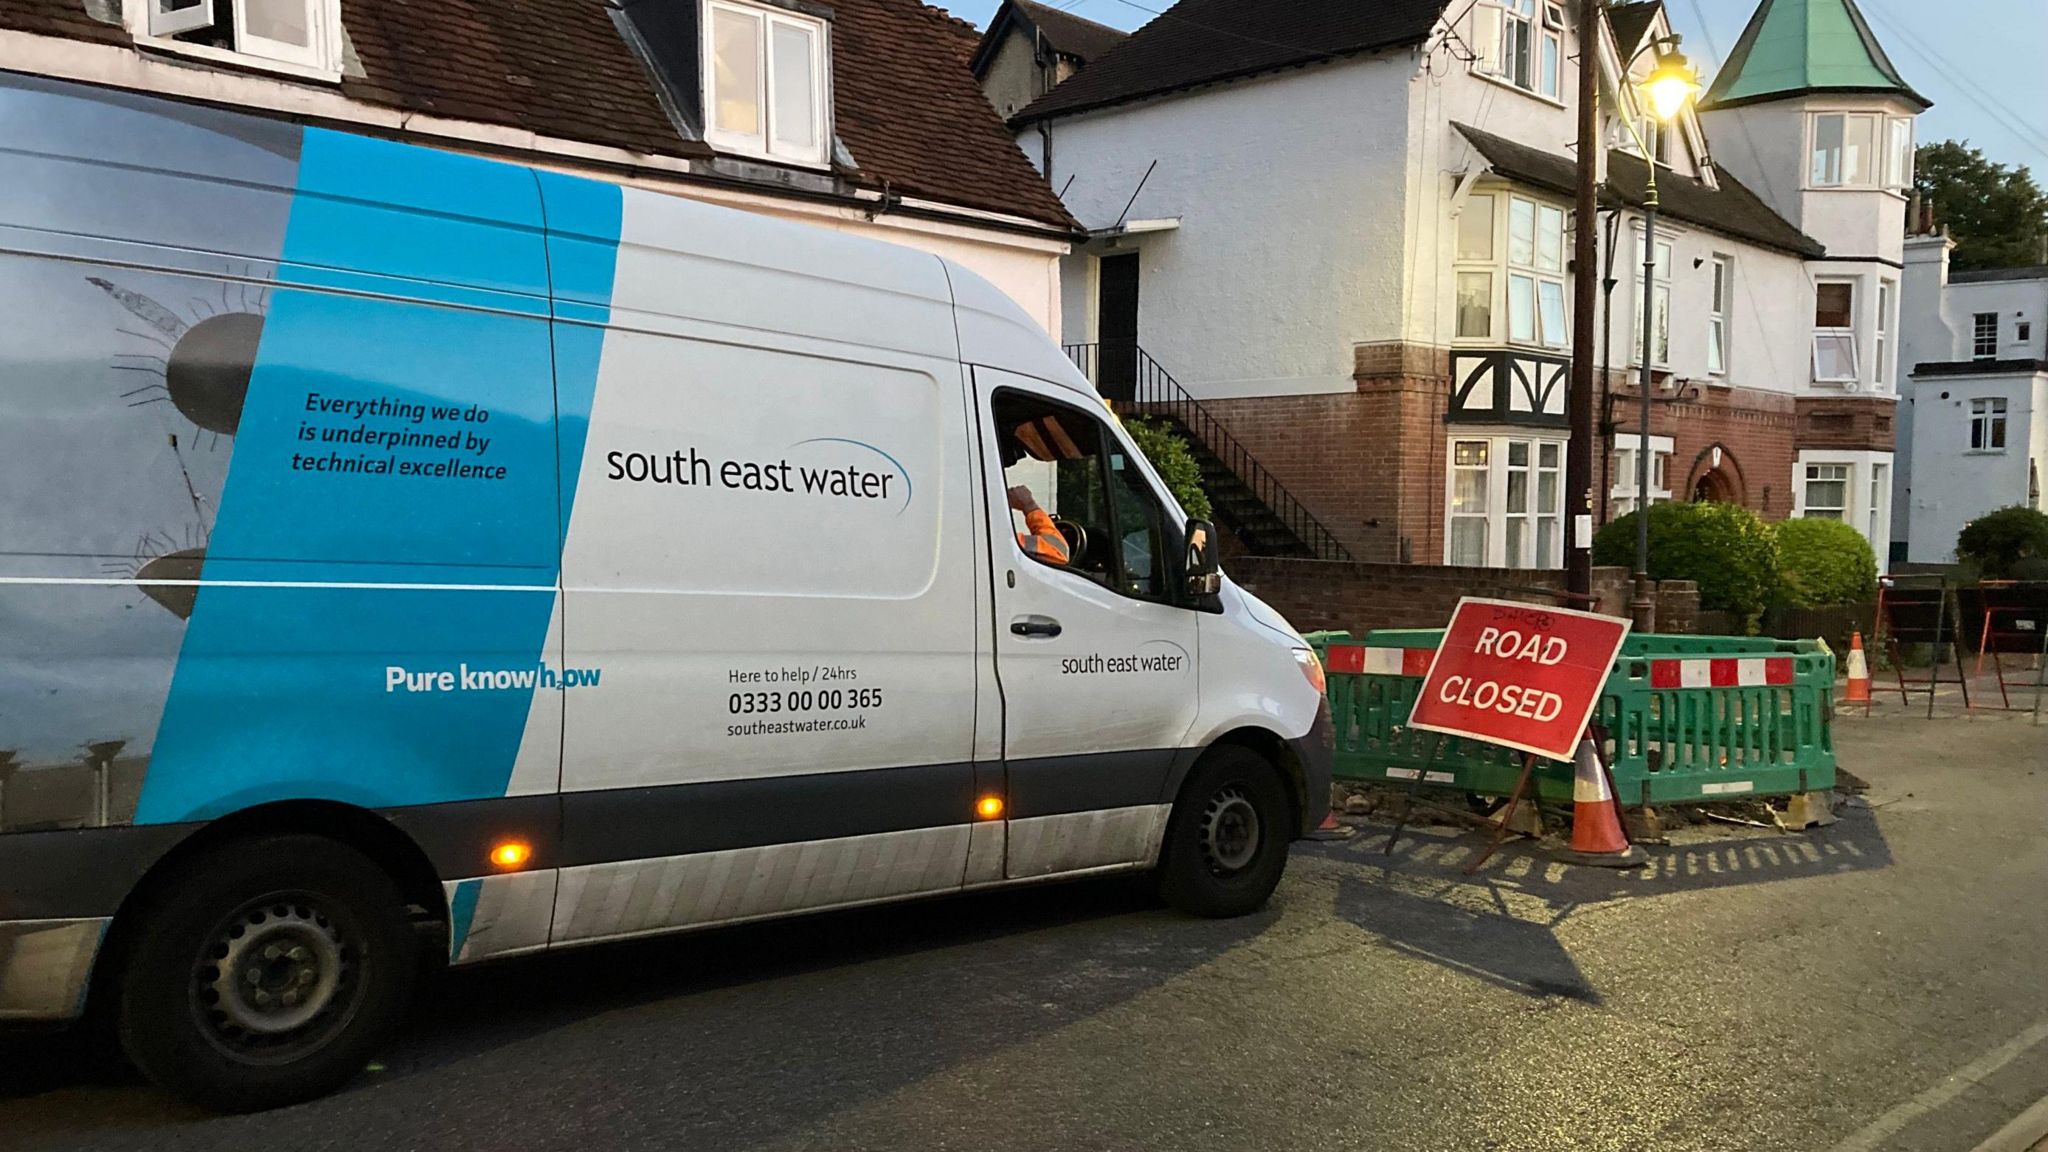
pixel 1666 743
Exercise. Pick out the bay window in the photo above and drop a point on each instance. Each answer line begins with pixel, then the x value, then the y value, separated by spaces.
pixel 1717 315
pixel 765 83
pixel 1525 267
pixel 1628 456
pixel 1834 331
pixel 1660 296
pixel 1827 491
pixel 1861 150
pixel 1505 502
pixel 1987 424
pixel 1886 292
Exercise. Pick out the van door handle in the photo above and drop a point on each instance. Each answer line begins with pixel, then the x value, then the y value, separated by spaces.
pixel 1041 626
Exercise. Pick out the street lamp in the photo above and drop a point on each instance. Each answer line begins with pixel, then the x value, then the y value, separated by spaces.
pixel 1667 90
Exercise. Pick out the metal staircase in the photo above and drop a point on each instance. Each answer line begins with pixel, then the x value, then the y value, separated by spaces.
pixel 1259 510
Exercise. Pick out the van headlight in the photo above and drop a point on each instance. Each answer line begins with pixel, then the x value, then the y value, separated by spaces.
pixel 1312 668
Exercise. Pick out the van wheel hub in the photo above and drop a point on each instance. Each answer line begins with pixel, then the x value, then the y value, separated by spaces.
pixel 274 979
pixel 1230 831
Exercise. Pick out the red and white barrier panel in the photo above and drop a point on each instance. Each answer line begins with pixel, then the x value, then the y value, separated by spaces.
pixel 1356 660
pixel 1721 672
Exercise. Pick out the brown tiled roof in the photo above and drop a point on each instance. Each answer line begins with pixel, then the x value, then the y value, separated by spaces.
pixel 554 67
pixel 1069 34
pixel 911 113
pixel 1205 41
pixel 906 106
pixel 1726 207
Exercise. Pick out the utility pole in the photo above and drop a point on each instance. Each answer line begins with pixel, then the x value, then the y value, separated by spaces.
pixel 1578 458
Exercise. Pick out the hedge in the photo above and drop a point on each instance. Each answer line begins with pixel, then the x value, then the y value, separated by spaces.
pixel 1822 563
pixel 1724 548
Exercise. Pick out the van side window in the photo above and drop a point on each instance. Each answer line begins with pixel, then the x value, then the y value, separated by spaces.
pixel 1077 500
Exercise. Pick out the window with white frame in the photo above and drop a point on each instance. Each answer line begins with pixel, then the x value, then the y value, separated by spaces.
pixel 1536 291
pixel 1505 504
pixel 1880 499
pixel 1887 293
pixel 1827 491
pixel 1834 331
pixel 1623 491
pixel 1898 154
pixel 1522 42
pixel 1660 296
pixel 302 35
pixel 1987 424
pixel 1511 261
pixel 1723 289
pixel 1984 336
pixel 1475 260
pixel 1861 150
pixel 766 83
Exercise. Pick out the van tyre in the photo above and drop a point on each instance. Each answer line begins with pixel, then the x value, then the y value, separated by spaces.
pixel 266 973
pixel 1226 842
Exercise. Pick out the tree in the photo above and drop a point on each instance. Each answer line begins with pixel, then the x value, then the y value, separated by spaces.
pixel 1998 215
pixel 1175 464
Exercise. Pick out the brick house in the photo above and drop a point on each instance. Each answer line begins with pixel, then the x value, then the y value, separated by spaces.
pixel 860 117
pixel 1339 234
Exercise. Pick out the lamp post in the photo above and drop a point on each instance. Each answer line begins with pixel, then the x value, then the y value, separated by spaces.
pixel 1668 89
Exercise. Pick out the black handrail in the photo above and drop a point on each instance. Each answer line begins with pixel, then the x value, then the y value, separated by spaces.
pixel 1129 378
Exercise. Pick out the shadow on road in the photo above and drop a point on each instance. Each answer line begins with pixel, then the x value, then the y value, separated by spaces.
pixel 741 1034
pixel 1500 925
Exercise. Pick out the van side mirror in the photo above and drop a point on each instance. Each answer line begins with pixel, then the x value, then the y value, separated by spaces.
pixel 1204 567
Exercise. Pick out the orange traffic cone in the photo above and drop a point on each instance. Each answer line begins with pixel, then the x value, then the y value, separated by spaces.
pixel 1858 691
pixel 1332 829
pixel 1597 838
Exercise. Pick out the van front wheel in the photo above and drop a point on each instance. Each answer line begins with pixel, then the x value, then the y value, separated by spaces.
pixel 1226 842
pixel 267 973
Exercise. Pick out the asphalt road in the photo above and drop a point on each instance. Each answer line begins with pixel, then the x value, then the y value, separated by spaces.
pixel 1878 984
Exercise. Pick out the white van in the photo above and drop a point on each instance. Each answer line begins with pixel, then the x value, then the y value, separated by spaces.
pixel 402 551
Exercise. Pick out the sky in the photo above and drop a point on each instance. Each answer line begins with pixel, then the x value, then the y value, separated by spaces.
pixel 1980 61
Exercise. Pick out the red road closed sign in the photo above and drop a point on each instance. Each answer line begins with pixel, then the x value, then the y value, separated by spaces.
pixel 1519 675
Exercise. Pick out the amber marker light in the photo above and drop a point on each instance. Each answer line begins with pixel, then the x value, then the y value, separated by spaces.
pixel 511 854
pixel 989 807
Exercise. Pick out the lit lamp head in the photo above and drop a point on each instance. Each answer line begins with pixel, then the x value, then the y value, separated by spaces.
pixel 1671 85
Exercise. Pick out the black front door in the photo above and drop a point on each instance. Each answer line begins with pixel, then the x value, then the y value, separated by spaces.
pixel 1116 326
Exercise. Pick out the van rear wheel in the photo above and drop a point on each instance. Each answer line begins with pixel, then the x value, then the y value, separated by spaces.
pixel 1226 842
pixel 267 973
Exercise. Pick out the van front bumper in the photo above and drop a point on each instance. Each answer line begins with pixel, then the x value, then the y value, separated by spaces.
pixel 1317 755
pixel 45 966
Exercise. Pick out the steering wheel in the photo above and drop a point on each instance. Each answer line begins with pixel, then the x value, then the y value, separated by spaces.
pixel 1076 537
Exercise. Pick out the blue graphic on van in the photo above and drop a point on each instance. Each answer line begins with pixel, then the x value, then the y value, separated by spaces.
pixel 391 492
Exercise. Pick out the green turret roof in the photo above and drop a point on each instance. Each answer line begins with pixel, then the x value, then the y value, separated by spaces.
pixel 1796 47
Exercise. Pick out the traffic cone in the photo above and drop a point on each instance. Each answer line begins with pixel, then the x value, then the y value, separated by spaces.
pixel 1858 691
pixel 1332 829
pixel 1597 838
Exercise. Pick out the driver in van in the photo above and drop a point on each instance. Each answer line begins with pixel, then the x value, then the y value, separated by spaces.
pixel 1041 539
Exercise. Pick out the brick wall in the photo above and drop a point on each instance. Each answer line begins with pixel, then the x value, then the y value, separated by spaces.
pixel 1849 423
pixel 1317 595
pixel 1756 431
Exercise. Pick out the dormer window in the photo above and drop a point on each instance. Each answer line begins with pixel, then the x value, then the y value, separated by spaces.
pixel 302 37
pixel 766 88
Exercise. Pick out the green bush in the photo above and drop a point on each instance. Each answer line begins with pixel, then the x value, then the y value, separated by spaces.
pixel 1996 541
pixel 1724 548
pixel 1175 464
pixel 1823 563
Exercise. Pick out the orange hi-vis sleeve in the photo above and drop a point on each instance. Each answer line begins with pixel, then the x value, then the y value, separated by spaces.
pixel 1043 541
